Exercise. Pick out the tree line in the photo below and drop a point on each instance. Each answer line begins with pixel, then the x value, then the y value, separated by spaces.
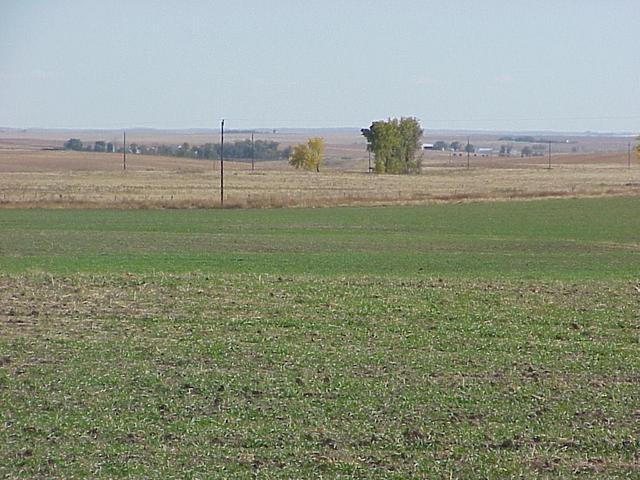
pixel 99 146
pixel 259 149
pixel 454 146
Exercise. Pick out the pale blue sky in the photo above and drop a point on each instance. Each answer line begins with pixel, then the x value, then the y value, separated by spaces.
pixel 570 65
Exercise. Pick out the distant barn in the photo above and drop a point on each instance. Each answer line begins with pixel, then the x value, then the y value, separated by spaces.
pixel 427 146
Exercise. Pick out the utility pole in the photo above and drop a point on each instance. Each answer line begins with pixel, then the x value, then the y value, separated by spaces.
pixel 222 164
pixel 628 155
pixel 124 150
pixel 369 150
pixel 549 156
pixel 468 153
pixel 253 163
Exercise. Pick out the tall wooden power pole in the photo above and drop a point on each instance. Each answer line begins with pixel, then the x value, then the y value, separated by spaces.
pixel 124 150
pixel 222 163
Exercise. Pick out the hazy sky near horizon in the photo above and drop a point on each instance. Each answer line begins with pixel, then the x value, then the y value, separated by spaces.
pixel 569 65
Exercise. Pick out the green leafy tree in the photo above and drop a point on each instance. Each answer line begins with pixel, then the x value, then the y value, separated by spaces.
pixel 73 144
pixel 308 155
pixel 184 150
pixel 394 144
pixel 455 146
pixel 505 150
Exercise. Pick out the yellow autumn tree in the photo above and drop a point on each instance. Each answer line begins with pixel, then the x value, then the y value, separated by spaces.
pixel 299 156
pixel 316 153
pixel 308 155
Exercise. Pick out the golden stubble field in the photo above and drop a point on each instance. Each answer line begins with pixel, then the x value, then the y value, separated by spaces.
pixel 30 177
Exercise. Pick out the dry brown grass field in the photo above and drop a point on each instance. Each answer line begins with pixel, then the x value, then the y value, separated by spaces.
pixel 33 177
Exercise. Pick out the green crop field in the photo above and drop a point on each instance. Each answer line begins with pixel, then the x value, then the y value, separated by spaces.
pixel 487 340
pixel 566 239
